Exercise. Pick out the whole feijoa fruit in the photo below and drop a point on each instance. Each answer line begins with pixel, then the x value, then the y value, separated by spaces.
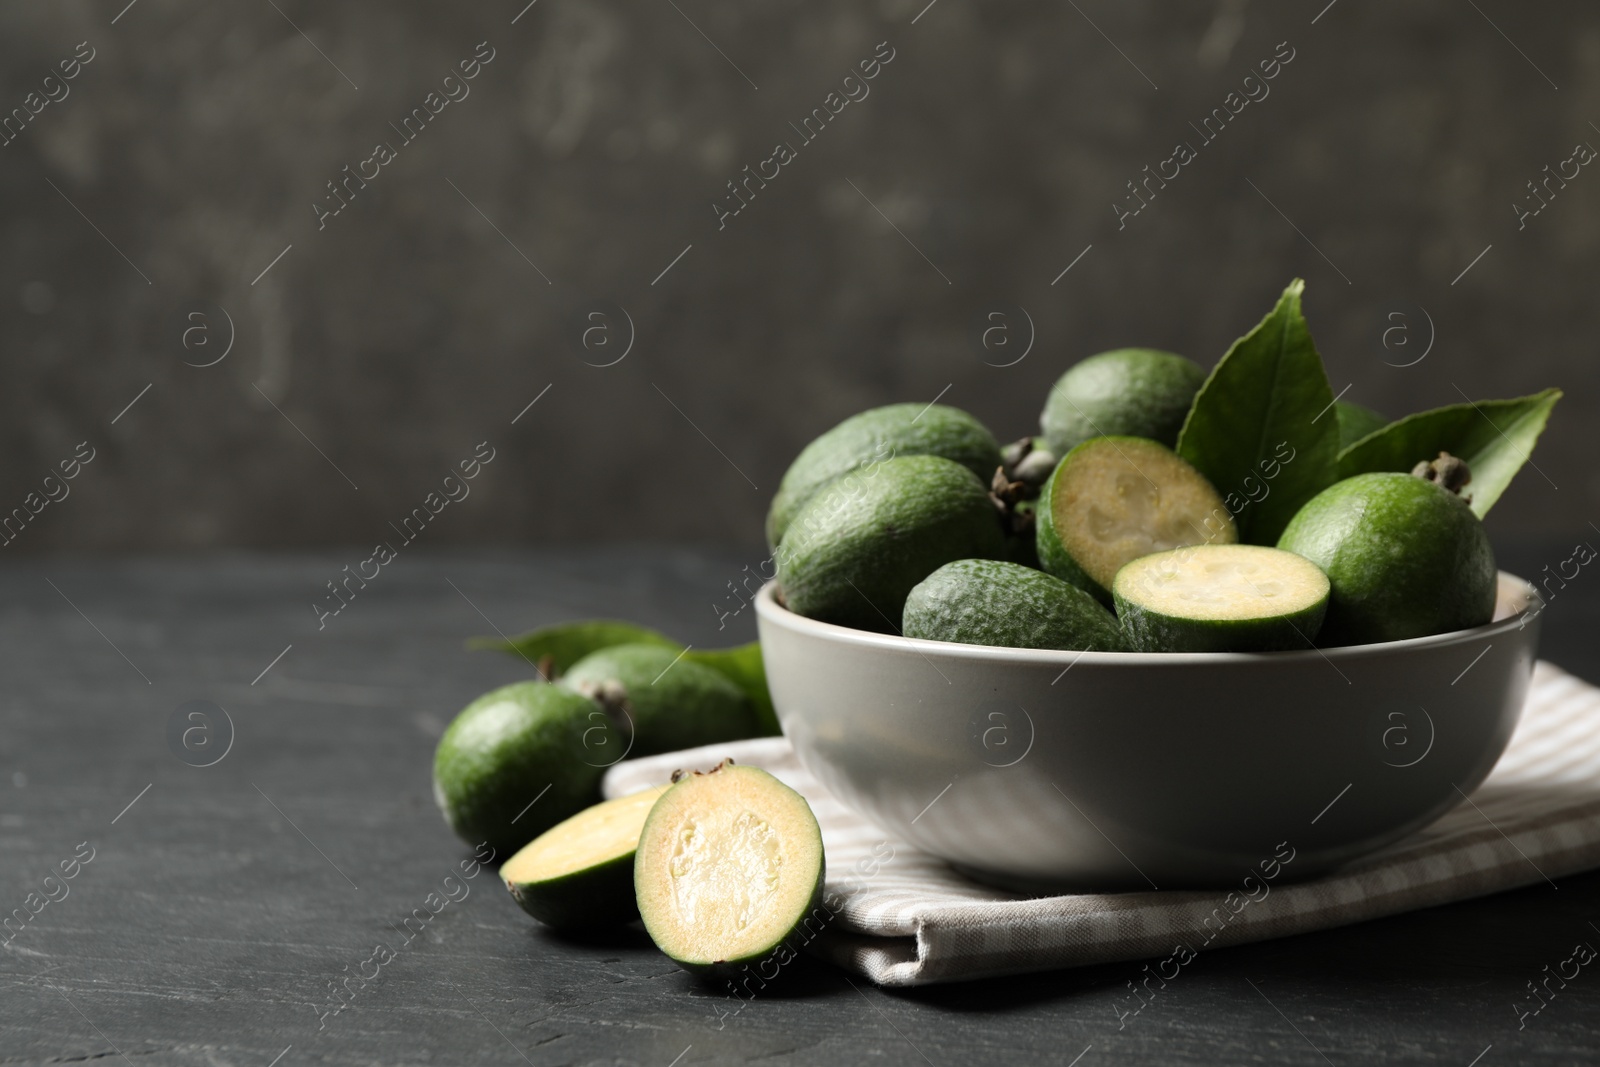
pixel 1405 558
pixel 661 701
pixel 855 550
pixel 989 602
pixel 873 436
pixel 518 760
pixel 1114 499
pixel 1127 392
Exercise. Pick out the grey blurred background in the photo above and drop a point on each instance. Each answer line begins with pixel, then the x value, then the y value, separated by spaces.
pixel 177 173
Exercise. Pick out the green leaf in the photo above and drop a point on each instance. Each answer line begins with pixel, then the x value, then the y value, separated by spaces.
pixel 1262 427
pixel 1495 437
pixel 1356 422
pixel 569 642
pixel 744 667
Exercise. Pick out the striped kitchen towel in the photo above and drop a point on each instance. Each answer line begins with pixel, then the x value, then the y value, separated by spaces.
pixel 903 917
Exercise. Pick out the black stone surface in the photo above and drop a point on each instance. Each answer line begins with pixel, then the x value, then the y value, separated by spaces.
pixel 222 901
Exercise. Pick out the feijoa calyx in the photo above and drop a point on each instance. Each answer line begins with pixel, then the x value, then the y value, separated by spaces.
pixel 989 602
pixel 729 871
pixel 662 701
pixel 518 760
pixel 1114 499
pixel 855 550
pixel 873 436
pixel 578 875
pixel 1221 598
pixel 1404 556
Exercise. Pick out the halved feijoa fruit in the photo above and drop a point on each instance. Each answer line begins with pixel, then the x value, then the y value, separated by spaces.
pixel 988 602
pixel 579 873
pixel 729 871
pixel 1114 499
pixel 1221 598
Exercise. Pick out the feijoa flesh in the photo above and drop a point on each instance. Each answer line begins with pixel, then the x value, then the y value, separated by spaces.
pixel 578 875
pixel 729 871
pixel 1220 598
pixel 988 602
pixel 1114 499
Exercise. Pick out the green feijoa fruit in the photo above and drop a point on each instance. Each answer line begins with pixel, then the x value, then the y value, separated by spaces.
pixel 729 871
pixel 520 759
pixel 988 602
pixel 1355 422
pixel 854 552
pixel 1127 392
pixel 1114 499
pixel 1405 558
pixel 1221 598
pixel 867 439
pixel 578 875
pixel 670 701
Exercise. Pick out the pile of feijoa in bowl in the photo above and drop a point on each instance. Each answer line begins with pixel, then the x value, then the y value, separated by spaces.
pixel 1161 509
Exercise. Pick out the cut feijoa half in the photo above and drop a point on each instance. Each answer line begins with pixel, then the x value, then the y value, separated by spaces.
pixel 1115 499
pixel 578 874
pixel 729 871
pixel 1221 598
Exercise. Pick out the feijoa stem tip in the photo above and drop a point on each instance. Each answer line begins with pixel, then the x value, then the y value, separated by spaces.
pixel 680 774
pixel 1449 472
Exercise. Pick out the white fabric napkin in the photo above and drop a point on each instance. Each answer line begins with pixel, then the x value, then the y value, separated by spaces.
pixel 903 917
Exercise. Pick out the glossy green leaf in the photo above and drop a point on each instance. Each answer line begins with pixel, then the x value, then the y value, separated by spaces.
pixel 1495 437
pixel 569 642
pixel 1263 428
pixel 744 667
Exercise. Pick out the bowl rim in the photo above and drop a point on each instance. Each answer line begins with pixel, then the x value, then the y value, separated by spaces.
pixel 1515 595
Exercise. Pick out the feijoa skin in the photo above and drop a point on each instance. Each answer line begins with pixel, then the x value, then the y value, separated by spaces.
pixel 988 602
pixel 578 875
pixel 1221 598
pixel 1404 557
pixel 1114 499
pixel 665 701
pixel 520 759
pixel 729 872
pixel 853 553
pixel 1127 392
pixel 873 436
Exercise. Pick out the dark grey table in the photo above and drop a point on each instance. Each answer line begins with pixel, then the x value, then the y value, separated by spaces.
pixel 222 902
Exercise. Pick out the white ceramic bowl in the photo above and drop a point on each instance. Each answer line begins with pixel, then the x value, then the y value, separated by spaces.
pixel 1121 770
